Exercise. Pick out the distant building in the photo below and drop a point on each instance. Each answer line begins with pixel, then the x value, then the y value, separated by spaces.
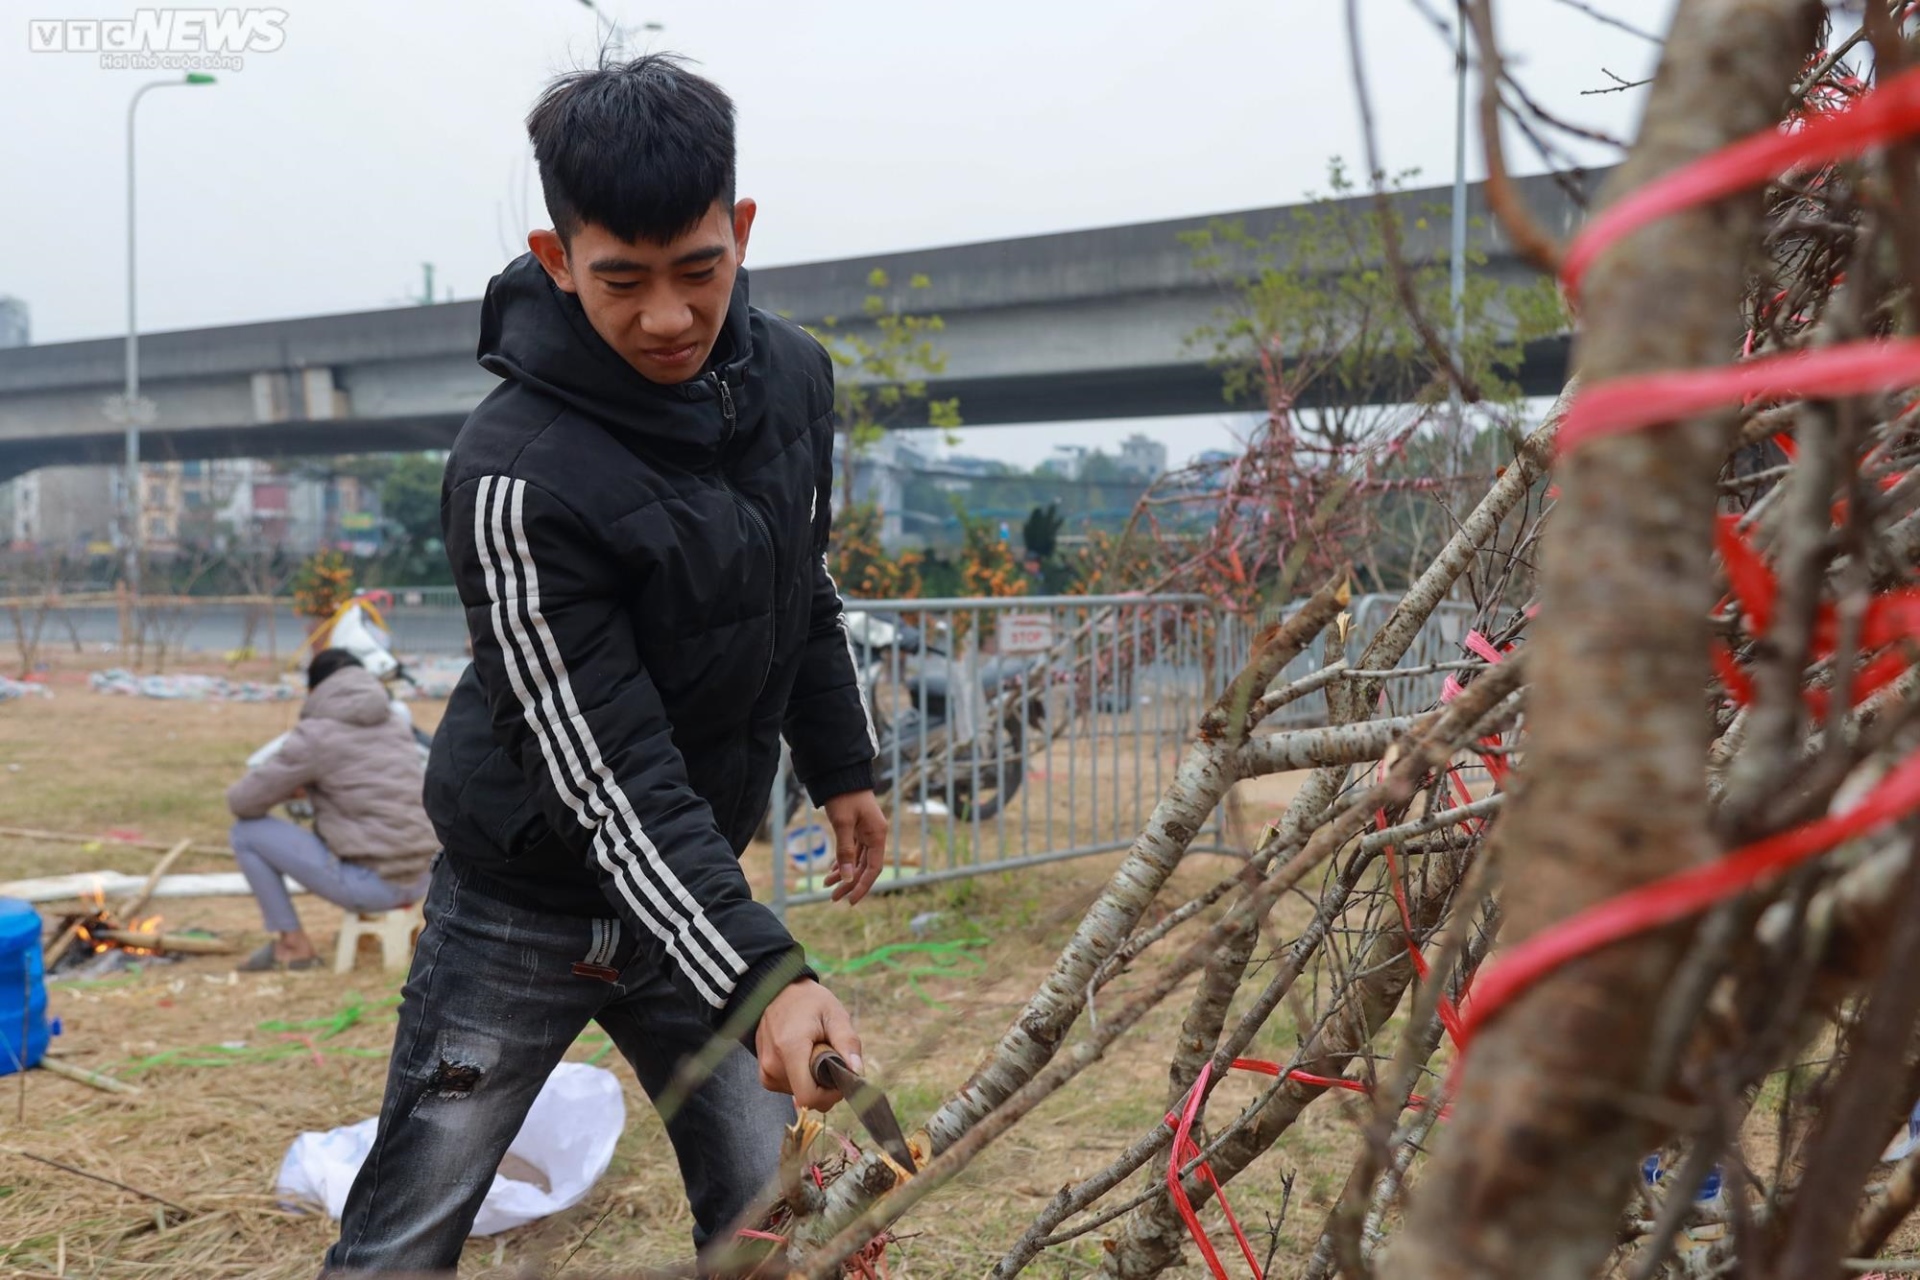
pixel 75 510
pixel 263 507
pixel 879 477
pixel 256 511
pixel 1067 461
pixel 81 510
pixel 15 329
pixel 336 512
pixel 1143 456
pixel 209 489
pixel 1212 468
pixel 219 504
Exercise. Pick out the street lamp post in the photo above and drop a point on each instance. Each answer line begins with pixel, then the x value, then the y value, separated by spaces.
pixel 135 411
pixel 1457 244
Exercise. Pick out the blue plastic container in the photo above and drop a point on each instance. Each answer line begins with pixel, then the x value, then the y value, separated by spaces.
pixel 23 988
pixel 810 848
pixel 1707 1196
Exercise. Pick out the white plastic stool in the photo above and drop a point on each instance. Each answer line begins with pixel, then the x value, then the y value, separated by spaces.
pixel 397 930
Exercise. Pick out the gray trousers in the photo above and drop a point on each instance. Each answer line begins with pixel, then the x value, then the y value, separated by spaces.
pixel 267 848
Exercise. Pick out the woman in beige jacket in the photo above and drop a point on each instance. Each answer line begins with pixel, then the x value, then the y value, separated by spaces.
pixel 371 845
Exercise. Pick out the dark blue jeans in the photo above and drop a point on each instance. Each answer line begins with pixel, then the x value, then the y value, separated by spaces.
pixel 497 993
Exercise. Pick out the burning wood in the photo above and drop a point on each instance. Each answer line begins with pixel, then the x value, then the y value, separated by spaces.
pixel 96 930
pixel 144 939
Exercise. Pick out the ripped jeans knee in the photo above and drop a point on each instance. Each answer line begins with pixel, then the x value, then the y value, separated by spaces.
pixel 454 1080
pixel 462 1068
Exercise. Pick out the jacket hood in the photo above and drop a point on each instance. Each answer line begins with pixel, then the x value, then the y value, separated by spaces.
pixel 351 695
pixel 536 333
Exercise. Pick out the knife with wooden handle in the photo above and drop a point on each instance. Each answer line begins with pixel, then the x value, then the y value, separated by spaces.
pixel 830 1071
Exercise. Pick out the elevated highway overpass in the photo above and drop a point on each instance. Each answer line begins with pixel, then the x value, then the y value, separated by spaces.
pixel 1073 325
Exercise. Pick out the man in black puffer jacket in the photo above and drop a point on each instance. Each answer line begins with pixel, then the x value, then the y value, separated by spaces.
pixel 637 519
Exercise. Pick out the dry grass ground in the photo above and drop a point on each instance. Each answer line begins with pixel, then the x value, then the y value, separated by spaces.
pixel 232 1068
pixel 214 1119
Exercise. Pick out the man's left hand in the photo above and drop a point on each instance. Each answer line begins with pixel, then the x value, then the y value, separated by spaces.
pixel 860 844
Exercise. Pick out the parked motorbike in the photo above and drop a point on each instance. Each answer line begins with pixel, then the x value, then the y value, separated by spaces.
pixel 938 770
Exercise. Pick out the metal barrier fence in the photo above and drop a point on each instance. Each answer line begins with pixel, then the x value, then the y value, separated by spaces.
pixel 1011 732
pixel 1016 731
pixel 430 621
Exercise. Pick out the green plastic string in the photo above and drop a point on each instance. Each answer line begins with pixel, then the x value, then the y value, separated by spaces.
pixel 311 1031
pixel 956 958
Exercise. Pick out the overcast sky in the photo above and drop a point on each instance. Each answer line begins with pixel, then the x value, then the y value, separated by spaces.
pixel 387 133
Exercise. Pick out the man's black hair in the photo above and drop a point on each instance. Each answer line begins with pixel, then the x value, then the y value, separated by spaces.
pixel 325 663
pixel 643 148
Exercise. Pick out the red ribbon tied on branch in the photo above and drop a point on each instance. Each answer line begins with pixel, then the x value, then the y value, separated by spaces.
pixel 1635 403
pixel 1888 112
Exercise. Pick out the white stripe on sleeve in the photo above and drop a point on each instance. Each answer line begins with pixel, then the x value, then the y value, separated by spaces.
pixel 551 711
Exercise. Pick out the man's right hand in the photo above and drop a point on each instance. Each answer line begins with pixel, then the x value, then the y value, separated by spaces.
pixel 806 1014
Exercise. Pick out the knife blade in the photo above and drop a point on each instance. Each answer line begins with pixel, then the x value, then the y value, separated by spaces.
pixel 830 1071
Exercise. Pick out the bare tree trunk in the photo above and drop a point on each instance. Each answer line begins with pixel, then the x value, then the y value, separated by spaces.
pixel 1528 1178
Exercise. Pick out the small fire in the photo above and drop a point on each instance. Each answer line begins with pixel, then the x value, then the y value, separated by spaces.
pixel 88 942
pixel 151 928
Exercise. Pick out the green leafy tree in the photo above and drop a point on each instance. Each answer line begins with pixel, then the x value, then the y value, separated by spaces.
pixel 882 365
pixel 1041 532
pixel 1317 317
pixel 410 503
pixel 410 497
pixel 1101 467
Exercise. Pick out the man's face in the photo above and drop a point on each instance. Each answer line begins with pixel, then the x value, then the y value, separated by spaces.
pixel 661 306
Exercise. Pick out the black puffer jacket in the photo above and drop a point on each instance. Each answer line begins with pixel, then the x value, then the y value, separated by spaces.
pixel 644 578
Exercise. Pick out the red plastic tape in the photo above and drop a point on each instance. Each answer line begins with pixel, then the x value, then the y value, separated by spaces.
pixel 1891 111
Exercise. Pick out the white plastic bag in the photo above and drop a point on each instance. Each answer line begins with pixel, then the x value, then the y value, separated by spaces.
pixel 569 1137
